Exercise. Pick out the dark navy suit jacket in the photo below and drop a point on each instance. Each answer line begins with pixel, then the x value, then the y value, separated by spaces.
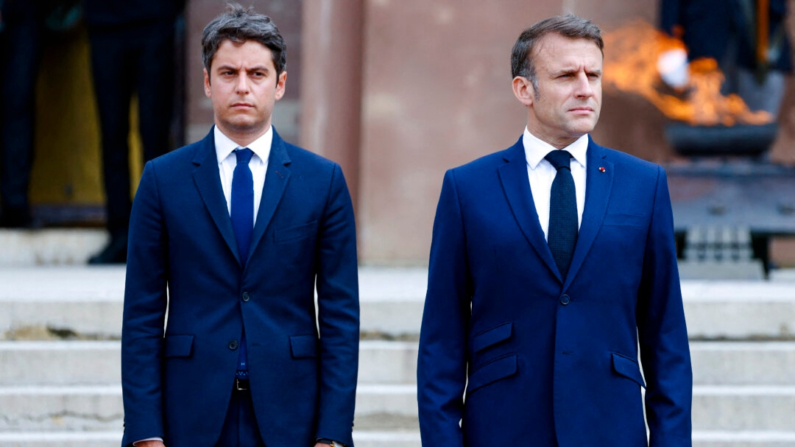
pixel 546 360
pixel 182 252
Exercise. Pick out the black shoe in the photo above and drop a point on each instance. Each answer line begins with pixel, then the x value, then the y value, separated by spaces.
pixel 113 253
pixel 18 218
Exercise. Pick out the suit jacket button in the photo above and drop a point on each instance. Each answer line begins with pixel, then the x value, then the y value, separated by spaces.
pixel 246 297
pixel 233 345
pixel 565 300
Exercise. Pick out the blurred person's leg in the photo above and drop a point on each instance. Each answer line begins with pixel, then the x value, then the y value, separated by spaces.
pixel 156 88
pixel 113 69
pixel 765 95
pixel 21 44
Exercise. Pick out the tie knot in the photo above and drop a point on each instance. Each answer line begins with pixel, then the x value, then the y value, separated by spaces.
pixel 559 159
pixel 243 155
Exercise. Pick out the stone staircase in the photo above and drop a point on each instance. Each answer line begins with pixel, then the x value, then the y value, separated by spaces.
pixel 59 351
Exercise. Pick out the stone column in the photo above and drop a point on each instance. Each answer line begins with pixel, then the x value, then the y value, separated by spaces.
pixel 331 83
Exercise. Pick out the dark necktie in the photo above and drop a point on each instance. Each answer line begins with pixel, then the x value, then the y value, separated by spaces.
pixel 243 224
pixel 563 227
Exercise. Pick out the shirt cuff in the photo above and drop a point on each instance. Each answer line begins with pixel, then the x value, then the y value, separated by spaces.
pixel 330 442
pixel 147 439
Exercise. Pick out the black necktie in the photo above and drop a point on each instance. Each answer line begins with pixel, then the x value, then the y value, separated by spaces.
pixel 563 227
pixel 242 214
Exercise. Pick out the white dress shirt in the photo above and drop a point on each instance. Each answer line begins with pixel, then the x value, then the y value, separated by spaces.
pixel 542 174
pixel 227 160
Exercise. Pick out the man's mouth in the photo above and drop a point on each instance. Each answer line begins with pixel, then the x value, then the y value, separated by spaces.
pixel 242 105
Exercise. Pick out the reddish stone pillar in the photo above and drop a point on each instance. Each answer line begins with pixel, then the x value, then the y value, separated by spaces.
pixel 331 83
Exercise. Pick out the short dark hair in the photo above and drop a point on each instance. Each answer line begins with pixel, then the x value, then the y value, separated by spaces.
pixel 569 26
pixel 239 25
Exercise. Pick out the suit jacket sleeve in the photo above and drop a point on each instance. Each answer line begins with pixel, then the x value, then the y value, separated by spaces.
pixel 144 314
pixel 442 362
pixel 664 349
pixel 338 305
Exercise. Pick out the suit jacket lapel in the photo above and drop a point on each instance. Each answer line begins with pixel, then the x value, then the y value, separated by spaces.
pixel 208 181
pixel 276 179
pixel 516 184
pixel 597 195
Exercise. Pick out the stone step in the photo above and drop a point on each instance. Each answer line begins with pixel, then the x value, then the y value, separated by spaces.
pixel 61 439
pixel 99 362
pixel 53 408
pixel 381 439
pixel 739 309
pixel 378 407
pixel 27 363
pixel 62 246
pixel 87 303
pixel 382 362
pixel 113 438
pixel 744 438
pixel 733 408
pixel 743 363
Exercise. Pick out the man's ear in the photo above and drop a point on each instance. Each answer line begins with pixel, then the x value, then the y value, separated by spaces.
pixel 281 83
pixel 206 83
pixel 523 90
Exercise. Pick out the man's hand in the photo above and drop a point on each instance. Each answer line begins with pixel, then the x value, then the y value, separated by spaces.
pixel 149 444
pixel 322 444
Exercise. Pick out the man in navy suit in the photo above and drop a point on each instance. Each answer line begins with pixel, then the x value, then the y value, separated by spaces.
pixel 552 262
pixel 228 239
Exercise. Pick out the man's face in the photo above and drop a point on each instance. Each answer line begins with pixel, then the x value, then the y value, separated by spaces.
pixel 569 96
pixel 243 87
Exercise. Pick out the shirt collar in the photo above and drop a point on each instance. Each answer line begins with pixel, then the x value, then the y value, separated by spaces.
pixel 224 146
pixel 536 149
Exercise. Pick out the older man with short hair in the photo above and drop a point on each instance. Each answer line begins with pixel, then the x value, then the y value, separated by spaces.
pixel 551 262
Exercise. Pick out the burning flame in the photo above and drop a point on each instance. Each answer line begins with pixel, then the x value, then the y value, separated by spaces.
pixel 631 65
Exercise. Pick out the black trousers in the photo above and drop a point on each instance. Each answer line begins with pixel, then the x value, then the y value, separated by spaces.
pixel 240 427
pixel 127 60
pixel 20 53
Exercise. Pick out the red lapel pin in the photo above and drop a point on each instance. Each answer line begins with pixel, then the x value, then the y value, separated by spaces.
pixel 601 169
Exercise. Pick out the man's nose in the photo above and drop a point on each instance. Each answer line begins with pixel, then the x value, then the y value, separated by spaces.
pixel 242 86
pixel 584 89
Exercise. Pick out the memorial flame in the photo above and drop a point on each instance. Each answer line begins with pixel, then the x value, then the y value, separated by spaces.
pixel 632 55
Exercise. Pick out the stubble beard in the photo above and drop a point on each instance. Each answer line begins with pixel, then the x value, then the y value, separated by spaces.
pixel 245 125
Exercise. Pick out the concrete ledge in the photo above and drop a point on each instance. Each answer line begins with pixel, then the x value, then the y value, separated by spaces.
pixel 60 363
pixel 89 301
pixel 50 246
pixel 398 400
pixel 388 362
pixel 743 363
pixel 61 439
pixel 112 439
pixel 717 408
pixel 381 439
pixel 380 362
pixel 744 438
pixel 96 408
pixel 386 439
